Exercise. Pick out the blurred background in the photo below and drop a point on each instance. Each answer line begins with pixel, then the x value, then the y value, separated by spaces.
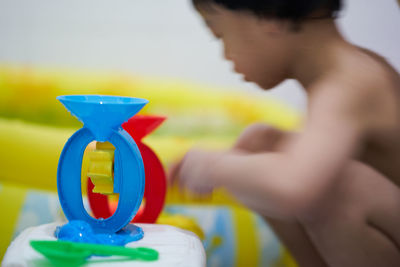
pixel 159 38
pixel 159 50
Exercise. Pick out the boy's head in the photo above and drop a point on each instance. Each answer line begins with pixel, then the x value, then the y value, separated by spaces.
pixel 258 35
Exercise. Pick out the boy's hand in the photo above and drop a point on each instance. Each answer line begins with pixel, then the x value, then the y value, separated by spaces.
pixel 195 171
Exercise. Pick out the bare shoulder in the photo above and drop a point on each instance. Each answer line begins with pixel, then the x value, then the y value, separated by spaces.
pixel 378 84
pixel 364 87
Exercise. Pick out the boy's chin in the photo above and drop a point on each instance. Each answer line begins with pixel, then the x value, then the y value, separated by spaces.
pixel 269 85
pixel 266 86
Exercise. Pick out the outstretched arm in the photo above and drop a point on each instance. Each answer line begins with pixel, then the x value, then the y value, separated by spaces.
pixel 288 183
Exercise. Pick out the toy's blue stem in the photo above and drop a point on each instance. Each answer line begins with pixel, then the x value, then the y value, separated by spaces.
pixel 130 166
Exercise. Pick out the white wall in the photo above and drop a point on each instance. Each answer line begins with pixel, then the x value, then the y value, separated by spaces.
pixel 158 37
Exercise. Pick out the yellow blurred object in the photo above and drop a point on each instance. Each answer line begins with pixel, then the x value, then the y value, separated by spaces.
pixel 11 199
pixel 182 222
pixel 29 154
pixel 212 108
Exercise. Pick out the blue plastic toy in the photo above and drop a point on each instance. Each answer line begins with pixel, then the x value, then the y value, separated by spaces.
pixel 102 117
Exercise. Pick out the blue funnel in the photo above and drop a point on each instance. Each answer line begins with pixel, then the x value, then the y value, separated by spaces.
pixel 101 114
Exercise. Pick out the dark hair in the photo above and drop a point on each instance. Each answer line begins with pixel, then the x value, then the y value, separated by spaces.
pixel 293 10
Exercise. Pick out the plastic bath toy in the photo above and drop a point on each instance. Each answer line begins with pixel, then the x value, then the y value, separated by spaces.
pixel 102 117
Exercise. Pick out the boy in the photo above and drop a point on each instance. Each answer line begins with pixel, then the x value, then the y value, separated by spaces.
pixel 331 192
